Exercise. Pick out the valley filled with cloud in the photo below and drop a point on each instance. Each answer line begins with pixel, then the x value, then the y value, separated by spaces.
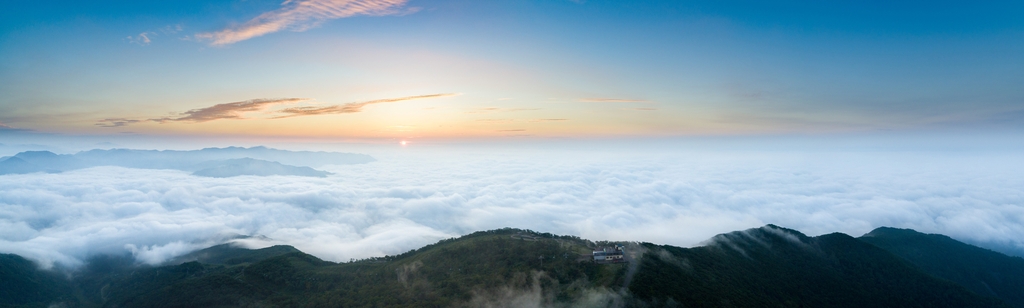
pixel 410 198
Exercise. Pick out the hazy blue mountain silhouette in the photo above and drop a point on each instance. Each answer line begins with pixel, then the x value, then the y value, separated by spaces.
pixel 16 165
pixel 209 161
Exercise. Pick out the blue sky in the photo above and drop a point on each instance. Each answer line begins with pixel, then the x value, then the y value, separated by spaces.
pixel 512 68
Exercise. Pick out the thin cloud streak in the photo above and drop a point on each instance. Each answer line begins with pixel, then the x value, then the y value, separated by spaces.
pixel 301 15
pixel 352 107
pixel 237 110
pixel 141 39
pixel 116 122
pixel 229 110
pixel 8 128
pixel 147 37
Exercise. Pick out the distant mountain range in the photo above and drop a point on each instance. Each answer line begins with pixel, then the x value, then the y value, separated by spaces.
pixel 214 162
pixel 763 267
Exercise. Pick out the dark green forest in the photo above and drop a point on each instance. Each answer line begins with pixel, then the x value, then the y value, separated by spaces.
pixel 763 267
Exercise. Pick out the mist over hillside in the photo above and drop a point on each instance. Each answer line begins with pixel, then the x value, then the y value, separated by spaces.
pixel 769 266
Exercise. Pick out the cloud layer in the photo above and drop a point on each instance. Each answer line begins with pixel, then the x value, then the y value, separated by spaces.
pixel 351 107
pixel 237 110
pixel 229 110
pixel 300 15
pixel 8 128
pixel 416 197
pixel 116 122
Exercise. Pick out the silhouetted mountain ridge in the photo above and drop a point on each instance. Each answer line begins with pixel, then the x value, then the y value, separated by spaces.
pixel 980 270
pixel 776 267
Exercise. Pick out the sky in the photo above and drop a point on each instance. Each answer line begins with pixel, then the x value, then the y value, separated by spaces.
pixel 461 69
pixel 658 121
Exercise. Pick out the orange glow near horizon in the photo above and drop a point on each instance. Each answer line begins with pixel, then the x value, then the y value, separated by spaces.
pixel 443 116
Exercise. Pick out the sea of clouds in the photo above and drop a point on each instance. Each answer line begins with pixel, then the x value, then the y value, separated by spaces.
pixel 413 197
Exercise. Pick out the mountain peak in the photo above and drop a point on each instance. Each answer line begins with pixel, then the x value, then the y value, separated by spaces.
pixel 36 155
pixel 257 160
pixel 980 270
pixel 230 254
pixel 890 231
pixel 766 237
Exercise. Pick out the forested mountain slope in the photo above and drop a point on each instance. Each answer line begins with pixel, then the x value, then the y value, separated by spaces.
pixel 763 267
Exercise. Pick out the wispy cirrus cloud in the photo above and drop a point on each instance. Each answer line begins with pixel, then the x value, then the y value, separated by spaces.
pixel 8 128
pixel 116 122
pixel 238 110
pixel 228 110
pixel 141 39
pixel 301 15
pixel 351 107
pixel 146 37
